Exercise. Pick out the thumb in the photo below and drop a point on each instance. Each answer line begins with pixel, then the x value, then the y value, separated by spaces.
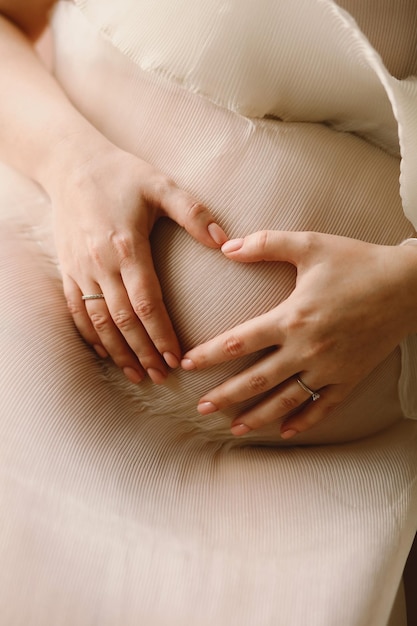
pixel 268 245
pixel 194 217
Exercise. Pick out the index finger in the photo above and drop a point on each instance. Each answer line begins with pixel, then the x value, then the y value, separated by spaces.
pixel 193 216
pixel 255 334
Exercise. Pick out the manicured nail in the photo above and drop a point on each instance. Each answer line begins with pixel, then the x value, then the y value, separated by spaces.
pixel 133 375
pixel 171 360
pixel 100 351
pixel 216 233
pixel 232 245
pixel 240 429
pixel 156 376
pixel 187 364
pixel 205 408
pixel 287 434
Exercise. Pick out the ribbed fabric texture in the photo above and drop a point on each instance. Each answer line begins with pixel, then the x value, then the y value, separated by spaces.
pixel 252 173
pixel 246 60
pixel 119 504
pixel 111 516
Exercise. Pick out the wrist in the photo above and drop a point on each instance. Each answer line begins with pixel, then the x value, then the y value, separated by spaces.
pixel 69 153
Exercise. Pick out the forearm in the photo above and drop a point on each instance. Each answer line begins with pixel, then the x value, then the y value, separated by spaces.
pixel 37 121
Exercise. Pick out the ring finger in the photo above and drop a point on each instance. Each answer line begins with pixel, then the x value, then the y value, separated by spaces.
pixel 77 308
pixel 287 399
pixel 93 320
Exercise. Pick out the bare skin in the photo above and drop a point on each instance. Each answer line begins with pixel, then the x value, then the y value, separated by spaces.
pixel 353 302
pixel 352 305
pixel 105 204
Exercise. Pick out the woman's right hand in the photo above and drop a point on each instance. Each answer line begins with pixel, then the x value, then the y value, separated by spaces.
pixel 104 211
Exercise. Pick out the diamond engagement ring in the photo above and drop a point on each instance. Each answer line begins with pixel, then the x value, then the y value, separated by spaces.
pixel 314 394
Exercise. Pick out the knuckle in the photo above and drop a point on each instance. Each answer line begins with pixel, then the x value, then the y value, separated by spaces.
pixel 296 321
pixel 262 240
pixel 115 245
pixel 319 348
pixel 74 307
pixel 161 186
pixel 308 241
pixel 195 211
pixel 233 346
pixel 123 320
pixel 288 403
pixel 96 255
pixel 123 247
pixel 100 321
pixel 258 383
pixel 144 308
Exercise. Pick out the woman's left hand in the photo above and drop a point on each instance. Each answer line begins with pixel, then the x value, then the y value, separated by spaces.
pixel 352 305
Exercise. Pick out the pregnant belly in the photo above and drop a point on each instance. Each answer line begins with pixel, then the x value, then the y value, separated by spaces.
pixel 287 177
pixel 253 174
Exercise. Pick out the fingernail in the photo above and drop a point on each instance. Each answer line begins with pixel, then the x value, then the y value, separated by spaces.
pixel 205 408
pixel 232 245
pixel 187 364
pixel 287 434
pixel 100 351
pixel 156 376
pixel 240 429
pixel 171 360
pixel 216 233
pixel 133 375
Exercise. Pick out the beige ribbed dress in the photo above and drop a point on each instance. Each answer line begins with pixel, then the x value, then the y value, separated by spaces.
pixel 120 504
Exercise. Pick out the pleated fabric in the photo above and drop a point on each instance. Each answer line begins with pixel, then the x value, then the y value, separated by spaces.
pixel 120 505
pixel 300 61
pixel 111 515
pixel 252 172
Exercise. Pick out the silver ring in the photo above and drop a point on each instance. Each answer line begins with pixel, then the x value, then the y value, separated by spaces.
pixel 314 394
pixel 93 296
